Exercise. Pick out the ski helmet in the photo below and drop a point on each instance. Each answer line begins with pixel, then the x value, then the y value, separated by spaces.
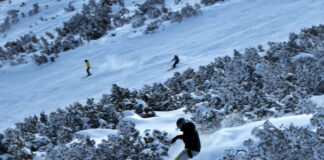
pixel 180 122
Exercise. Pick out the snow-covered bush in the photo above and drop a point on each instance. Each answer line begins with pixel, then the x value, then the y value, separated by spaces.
pixel 175 16
pixel 296 143
pixel 13 16
pixel 70 8
pixel 207 118
pixel 5 25
pixel 138 21
pixel 129 145
pixel 152 27
pixel 15 145
pixel 84 149
pixel 156 143
pixel 210 2
pixel 35 10
pixel 189 11
pixel 318 121
pixel 233 120
pixel 39 59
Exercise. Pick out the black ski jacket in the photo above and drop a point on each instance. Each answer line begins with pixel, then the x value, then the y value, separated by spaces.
pixel 190 137
pixel 176 59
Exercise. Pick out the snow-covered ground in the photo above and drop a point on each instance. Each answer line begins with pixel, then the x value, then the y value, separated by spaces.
pixel 213 145
pixel 52 13
pixel 132 60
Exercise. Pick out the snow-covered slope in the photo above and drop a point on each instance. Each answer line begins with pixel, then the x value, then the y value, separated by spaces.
pixel 133 60
pixel 213 145
pixel 51 15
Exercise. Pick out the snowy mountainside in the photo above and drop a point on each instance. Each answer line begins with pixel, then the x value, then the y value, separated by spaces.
pixel 214 97
pixel 51 14
pixel 94 20
pixel 125 59
pixel 254 84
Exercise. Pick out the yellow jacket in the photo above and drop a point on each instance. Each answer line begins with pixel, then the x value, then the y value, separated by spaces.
pixel 88 64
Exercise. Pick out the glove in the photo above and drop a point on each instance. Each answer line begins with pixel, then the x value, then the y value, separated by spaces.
pixel 174 139
pixel 189 153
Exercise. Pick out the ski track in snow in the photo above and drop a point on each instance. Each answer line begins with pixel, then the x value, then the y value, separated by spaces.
pixel 132 60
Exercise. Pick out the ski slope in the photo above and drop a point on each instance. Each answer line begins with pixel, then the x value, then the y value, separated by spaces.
pixel 132 60
pixel 213 145
pixel 52 13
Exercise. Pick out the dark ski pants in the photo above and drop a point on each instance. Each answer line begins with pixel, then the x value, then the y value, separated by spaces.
pixel 175 63
pixel 88 71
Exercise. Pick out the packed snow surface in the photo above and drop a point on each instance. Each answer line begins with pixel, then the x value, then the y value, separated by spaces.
pixel 132 60
pixel 213 145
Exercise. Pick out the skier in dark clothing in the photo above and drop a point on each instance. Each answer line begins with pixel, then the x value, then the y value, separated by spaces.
pixel 88 67
pixel 190 138
pixel 176 61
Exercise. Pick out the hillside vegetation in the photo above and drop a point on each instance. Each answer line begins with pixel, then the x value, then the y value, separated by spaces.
pixel 230 91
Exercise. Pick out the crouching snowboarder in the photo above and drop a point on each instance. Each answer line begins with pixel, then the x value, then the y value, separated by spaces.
pixel 190 138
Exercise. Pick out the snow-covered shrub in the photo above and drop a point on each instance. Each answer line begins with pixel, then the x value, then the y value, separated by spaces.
pixel 3 54
pixel 158 97
pixel 175 16
pixel 119 19
pixel 5 25
pixel 231 154
pixel 210 2
pixel 177 1
pixel 35 10
pixel 138 21
pixel 129 145
pixel 13 48
pixel 83 149
pixel 289 143
pixel 70 8
pixel 69 42
pixel 260 48
pixel 308 73
pixel 207 118
pixel 175 83
pixel 156 143
pixel 125 145
pixel 39 59
pixel 13 16
pixel 318 121
pixel 152 27
pixel 2 147
pixel 50 35
pixel 233 120
pixel 15 145
pixel 22 4
pixel 189 11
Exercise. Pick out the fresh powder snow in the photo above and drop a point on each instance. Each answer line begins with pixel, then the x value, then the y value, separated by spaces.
pixel 132 60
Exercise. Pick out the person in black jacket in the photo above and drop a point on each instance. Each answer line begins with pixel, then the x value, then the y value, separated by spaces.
pixel 176 61
pixel 190 138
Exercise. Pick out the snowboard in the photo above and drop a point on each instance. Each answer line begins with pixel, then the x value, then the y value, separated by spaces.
pixel 86 76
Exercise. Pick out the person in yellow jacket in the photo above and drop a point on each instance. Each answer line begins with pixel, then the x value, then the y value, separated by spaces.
pixel 88 67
